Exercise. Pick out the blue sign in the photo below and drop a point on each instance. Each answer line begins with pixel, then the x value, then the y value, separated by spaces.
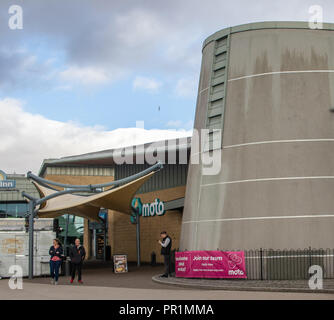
pixel 6 184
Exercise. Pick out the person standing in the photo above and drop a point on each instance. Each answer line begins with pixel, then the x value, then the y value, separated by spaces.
pixel 56 256
pixel 166 245
pixel 77 255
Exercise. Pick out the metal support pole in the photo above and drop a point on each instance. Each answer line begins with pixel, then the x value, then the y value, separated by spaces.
pixel 31 238
pixel 261 263
pixel 72 189
pixel 66 233
pixel 94 246
pixel 105 241
pixel 138 237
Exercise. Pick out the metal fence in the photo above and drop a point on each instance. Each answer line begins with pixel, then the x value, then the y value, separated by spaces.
pixel 287 264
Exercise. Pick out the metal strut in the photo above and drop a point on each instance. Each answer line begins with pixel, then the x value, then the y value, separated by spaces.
pixel 158 166
pixel 91 188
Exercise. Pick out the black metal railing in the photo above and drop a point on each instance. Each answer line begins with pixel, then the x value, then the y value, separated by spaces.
pixel 287 264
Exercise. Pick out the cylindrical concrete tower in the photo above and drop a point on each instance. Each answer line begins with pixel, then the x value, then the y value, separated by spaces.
pixel 270 88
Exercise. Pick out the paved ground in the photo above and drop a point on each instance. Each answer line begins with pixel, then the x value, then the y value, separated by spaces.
pixel 248 285
pixel 101 283
pixel 48 292
pixel 102 275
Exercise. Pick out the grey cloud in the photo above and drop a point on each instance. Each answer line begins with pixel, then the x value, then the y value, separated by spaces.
pixel 20 68
pixel 154 36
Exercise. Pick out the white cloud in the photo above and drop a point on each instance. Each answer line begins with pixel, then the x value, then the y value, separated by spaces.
pixel 174 124
pixel 178 124
pixel 84 76
pixel 187 87
pixel 138 27
pixel 27 139
pixel 148 84
pixel 62 88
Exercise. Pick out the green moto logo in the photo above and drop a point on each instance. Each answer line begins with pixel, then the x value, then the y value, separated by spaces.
pixel 156 208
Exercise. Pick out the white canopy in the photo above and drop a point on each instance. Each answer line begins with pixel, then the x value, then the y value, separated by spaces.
pixel 118 199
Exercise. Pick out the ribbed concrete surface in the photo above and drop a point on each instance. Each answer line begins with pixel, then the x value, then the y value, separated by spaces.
pixel 274 189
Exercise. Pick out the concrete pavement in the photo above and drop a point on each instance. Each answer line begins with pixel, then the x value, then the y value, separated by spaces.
pixel 32 291
pixel 100 283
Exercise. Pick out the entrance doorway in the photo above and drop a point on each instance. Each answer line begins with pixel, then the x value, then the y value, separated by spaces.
pixel 99 249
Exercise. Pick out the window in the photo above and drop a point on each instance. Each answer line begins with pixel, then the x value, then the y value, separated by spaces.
pixel 13 210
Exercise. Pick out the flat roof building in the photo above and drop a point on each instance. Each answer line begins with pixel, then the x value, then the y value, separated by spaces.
pixel 160 199
pixel 12 204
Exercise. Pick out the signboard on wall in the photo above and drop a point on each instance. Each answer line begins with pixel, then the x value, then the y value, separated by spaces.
pixel 210 264
pixel 6 184
pixel 120 263
pixel 93 225
pixel 18 224
pixel 156 208
pixel 12 245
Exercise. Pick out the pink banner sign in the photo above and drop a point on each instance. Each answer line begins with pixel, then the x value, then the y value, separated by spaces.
pixel 210 264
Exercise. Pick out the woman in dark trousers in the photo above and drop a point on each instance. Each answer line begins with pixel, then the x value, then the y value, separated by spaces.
pixel 166 245
pixel 56 256
pixel 77 255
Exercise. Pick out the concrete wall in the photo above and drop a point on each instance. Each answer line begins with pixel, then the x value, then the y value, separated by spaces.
pixel 275 187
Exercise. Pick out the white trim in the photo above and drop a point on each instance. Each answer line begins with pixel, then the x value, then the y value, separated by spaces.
pixel 281 72
pixel 266 179
pixel 267 142
pixel 278 141
pixel 204 90
pixel 262 218
pixel 292 256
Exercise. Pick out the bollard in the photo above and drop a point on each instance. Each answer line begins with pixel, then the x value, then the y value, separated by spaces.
pixel 172 263
pixel 153 259
pixel 67 267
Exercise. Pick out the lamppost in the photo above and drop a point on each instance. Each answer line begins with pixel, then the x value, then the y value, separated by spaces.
pixel 135 211
pixel 35 203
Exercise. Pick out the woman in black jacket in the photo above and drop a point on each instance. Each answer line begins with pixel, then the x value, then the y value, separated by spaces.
pixel 56 256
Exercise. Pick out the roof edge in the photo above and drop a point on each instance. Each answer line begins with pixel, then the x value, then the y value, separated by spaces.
pixel 263 25
pixel 181 144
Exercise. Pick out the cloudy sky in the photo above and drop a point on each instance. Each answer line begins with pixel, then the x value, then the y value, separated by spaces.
pixel 80 73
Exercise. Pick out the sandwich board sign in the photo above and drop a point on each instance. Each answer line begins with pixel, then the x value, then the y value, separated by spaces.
pixel 120 263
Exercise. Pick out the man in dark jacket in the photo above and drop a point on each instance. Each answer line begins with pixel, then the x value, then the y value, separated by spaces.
pixel 166 245
pixel 77 255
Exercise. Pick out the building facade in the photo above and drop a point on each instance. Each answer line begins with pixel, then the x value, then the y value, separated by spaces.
pixel 269 89
pixel 14 237
pixel 163 193
pixel 12 204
